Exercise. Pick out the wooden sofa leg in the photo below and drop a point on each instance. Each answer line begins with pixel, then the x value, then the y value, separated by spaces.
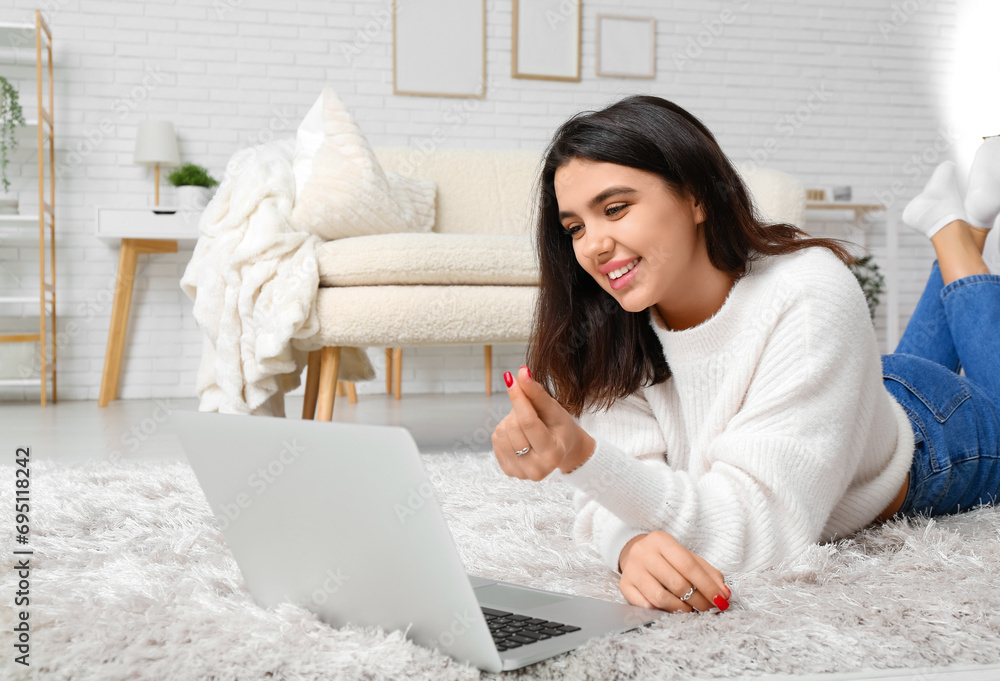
pixel 488 361
pixel 397 372
pixel 312 385
pixel 329 364
pixel 340 389
pixel 388 371
pixel 352 392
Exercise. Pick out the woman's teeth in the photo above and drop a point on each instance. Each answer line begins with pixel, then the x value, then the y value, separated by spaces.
pixel 622 270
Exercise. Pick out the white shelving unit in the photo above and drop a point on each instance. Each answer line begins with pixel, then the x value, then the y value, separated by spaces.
pixel 15 36
pixel 858 229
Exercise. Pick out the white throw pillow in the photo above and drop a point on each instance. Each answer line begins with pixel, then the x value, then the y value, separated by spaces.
pixel 340 188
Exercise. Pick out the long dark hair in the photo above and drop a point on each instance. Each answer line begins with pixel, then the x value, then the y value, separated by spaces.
pixel 584 347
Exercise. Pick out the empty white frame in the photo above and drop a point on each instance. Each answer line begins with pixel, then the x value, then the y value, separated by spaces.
pixel 546 39
pixel 626 46
pixel 439 48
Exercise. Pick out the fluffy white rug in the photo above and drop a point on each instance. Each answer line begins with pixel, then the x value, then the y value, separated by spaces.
pixel 131 580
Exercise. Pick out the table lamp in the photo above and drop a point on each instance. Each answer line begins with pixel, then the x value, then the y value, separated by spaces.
pixel 156 145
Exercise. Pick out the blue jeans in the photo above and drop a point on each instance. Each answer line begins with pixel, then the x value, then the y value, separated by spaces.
pixel 955 419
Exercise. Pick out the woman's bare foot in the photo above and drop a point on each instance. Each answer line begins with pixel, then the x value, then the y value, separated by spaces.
pixel 959 251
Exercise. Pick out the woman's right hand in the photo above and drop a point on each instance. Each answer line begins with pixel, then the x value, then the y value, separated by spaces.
pixel 657 570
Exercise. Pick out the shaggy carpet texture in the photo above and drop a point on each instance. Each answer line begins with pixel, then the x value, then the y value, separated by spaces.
pixel 131 579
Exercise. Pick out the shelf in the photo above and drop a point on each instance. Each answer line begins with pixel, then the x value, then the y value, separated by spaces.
pixel 19 382
pixel 26 382
pixel 22 299
pixel 843 205
pixel 27 328
pixel 30 127
pixel 14 337
pixel 23 36
pixel 19 219
pixel 19 360
pixel 18 227
pixel 858 209
pixel 14 35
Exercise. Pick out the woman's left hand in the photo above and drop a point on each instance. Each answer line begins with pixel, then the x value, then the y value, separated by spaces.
pixel 539 423
pixel 659 572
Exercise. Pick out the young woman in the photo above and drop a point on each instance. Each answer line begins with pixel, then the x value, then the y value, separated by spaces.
pixel 711 384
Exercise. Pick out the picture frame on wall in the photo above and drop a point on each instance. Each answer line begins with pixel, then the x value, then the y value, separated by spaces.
pixel 546 39
pixel 439 48
pixel 626 46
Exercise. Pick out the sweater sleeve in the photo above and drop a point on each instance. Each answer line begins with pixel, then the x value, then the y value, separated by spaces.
pixel 599 528
pixel 637 430
pixel 773 474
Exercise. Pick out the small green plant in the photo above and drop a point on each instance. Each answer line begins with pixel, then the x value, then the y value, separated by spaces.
pixel 870 279
pixel 191 174
pixel 10 117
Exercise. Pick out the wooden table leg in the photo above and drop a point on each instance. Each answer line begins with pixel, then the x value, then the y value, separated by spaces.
pixel 127 260
pixel 388 370
pixel 488 362
pixel 312 385
pixel 397 373
pixel 329 366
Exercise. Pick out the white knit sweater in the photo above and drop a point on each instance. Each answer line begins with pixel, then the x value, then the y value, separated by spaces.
pixel 774 431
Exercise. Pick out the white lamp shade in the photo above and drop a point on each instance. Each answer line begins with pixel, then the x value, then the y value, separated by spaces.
pixel 156 143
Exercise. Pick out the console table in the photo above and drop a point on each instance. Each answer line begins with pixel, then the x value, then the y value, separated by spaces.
pixel 859 234
pixel 140 230
pixel 860 211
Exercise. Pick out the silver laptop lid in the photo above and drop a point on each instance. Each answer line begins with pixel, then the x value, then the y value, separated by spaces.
pixel 341 519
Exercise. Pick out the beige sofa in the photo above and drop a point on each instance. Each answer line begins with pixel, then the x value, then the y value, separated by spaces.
pixel 471 280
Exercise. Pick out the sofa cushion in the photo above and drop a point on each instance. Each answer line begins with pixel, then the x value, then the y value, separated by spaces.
pixel 340 188
pixel 430 259
pixel 397 316
pixel 780 197
pixel 479 191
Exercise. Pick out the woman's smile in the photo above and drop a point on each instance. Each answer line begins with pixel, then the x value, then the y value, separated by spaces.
pixel 625 279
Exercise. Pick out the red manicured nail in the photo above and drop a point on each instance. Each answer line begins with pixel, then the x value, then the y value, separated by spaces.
pixel 528 370
pixel 508 379
pixel 720 602
pixel 729 594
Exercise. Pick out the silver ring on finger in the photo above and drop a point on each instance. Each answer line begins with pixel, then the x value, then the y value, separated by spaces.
pixel 688 594
pixel 521 452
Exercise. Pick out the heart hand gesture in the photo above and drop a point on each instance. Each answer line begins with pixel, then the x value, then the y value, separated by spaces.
pixel 538 435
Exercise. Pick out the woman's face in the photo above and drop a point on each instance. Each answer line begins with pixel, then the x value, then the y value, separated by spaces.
pixel 619 215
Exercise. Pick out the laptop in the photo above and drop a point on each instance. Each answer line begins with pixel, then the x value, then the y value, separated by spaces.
pixel 341 519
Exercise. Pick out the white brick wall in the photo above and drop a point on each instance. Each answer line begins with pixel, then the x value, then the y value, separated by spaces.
pixel 224 70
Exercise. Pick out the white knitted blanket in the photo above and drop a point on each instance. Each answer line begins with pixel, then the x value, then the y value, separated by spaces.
pixel 254 283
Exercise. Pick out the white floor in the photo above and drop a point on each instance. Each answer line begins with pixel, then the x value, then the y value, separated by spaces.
pixel 138 429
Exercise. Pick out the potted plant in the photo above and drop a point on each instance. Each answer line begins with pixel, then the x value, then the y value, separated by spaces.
pixel 193 183
pixel 866 271
pixel 10 117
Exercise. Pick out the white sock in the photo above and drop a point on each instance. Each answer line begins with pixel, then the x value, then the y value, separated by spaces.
pixel 938 204
pixel 982 200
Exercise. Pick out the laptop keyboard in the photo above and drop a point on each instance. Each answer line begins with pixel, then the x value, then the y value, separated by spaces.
pixel 512 631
